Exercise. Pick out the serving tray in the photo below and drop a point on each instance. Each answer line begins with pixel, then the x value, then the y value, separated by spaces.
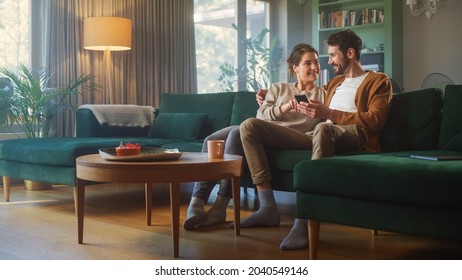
pixel 146 154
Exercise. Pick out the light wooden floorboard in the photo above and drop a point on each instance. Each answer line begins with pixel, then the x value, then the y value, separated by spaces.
pixel 41 225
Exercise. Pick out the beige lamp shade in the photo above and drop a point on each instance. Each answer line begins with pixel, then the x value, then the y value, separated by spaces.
pixel 107 33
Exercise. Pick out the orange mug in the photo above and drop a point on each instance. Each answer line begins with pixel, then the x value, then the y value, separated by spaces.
pixel 216 148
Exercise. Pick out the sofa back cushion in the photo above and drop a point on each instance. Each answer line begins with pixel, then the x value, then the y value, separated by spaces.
pixel 178 125
pixel 414 121
pixel 217 106
pixel 245 106
pixel 451 125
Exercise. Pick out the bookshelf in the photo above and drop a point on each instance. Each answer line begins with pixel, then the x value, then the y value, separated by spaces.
pixel 377 22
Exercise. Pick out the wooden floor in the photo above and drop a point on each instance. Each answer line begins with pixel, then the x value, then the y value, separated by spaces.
pixel 41 225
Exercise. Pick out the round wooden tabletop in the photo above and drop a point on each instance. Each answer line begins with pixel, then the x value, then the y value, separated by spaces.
pixel 189 167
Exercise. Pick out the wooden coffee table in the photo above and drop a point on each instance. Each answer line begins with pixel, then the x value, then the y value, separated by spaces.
pixel 190 167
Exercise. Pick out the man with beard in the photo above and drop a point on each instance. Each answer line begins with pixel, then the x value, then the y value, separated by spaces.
pixel 354 112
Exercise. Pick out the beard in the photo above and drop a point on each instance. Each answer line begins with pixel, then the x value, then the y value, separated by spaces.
pixel 339 68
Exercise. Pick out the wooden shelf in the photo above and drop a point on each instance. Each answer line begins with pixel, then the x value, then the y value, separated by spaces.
pixel 362 53
pixel 353 27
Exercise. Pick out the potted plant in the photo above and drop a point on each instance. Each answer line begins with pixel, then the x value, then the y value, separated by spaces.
pixel 31 104
pixel 28 102
pixel 262 65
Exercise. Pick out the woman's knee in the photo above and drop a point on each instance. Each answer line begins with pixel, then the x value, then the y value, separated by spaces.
pixel 235 131
pixel 233 144
pixel 234 134
pixel 221 134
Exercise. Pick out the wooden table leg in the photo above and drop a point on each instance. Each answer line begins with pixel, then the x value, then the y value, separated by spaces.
pixel 313 235
pixel 148 194
pixel 6 187
pixel 236 204
pixel 80 207
pixel 75 201
pixel 175 209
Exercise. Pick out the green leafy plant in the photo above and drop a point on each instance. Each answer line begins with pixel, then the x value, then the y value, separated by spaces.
pixel 262 64
pixel 27 100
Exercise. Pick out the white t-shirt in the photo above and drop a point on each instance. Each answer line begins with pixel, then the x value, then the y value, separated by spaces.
pixel 344 97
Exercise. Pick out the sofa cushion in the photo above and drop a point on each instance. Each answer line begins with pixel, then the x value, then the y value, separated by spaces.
pixel 218 106
pixel 413 122
pixel 388 177
pixel 177 125
pixel 285 160
pixel 185 146
pixel 63 151
pixel 455 144
pixel 245 106
pixel 451 125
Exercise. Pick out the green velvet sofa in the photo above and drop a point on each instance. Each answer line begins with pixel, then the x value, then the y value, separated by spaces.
pixel 182 121
pixel 391 191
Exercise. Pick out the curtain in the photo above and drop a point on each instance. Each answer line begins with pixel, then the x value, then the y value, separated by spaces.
pixel 162 58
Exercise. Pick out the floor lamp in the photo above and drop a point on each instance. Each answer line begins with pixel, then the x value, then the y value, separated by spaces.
pixel 107 34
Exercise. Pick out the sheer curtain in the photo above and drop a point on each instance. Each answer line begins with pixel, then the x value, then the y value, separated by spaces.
pixel 162 58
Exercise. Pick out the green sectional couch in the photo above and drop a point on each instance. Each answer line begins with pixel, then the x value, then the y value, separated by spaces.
pixel 391 191
pixel 387 191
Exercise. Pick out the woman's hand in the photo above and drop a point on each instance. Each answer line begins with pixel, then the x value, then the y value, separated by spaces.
pixel 289 106
pixel 315 109
pixel 260 96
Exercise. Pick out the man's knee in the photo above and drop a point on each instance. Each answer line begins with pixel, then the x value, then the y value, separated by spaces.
pixel 322 128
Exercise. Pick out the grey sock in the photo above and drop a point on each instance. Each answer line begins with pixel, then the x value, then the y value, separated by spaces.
pixel 298 236
pixel 196 214
pixel 217 214
pixel 267 215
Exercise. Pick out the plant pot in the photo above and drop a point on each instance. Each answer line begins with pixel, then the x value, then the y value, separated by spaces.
pixel 36 186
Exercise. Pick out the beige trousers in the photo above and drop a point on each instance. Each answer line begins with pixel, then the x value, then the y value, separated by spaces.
pixel 325 140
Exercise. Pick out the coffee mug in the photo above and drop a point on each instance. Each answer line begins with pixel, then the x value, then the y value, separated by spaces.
pixel 216 148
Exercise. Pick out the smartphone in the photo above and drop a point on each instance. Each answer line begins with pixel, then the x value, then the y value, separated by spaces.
pixel 301 98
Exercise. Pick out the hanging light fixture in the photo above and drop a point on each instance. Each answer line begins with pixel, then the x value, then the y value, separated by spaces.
pixel 425 6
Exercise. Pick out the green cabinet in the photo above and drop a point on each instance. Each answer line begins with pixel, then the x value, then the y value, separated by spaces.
pixel 379 23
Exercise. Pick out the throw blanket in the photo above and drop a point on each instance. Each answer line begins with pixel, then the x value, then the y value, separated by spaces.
pixel 122 115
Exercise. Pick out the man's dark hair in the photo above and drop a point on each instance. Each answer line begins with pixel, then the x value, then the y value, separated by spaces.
pixel 344 40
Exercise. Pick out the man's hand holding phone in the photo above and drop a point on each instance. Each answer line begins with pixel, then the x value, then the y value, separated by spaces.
pixel 315 109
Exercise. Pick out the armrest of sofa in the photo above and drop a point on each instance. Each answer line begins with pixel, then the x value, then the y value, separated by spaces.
pixel 88 125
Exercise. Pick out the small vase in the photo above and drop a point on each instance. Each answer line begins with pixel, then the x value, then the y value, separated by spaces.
pixel 35 186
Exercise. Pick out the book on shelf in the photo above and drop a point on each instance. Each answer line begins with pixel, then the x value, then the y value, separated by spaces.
pixel 346 18
pixel 325 47
pixel 371 67
pixel 324 77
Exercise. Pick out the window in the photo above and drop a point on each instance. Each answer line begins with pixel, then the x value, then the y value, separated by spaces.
pixel 14 31
pixel 216 41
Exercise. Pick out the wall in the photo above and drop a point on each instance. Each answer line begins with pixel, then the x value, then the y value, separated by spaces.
pixel 432 45
pixel 291 23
